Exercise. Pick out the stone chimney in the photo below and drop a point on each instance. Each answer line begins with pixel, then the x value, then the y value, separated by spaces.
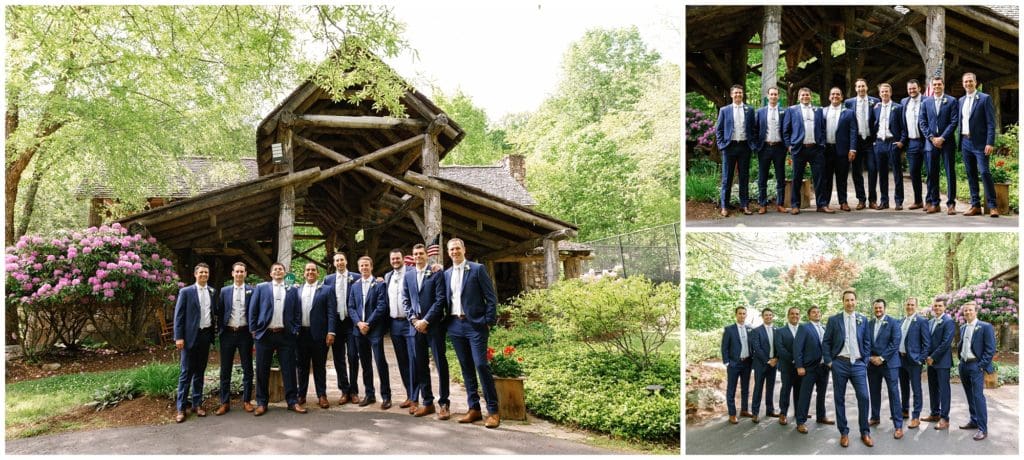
pixel 516 166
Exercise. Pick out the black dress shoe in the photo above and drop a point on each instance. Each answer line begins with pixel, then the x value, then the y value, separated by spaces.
pixel 386 404
pixel 367 401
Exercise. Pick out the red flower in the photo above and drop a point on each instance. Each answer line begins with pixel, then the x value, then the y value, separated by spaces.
pixel 490 354
pixel 509 350
pixel 1000 163
pixel 520 359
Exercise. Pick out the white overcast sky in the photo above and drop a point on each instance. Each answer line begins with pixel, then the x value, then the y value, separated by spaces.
pixel 507 55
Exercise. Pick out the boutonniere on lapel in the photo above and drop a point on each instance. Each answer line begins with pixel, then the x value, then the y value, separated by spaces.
pixel 427 272
pixel 248 291
pixel 942 100
pixel 977 328
pixel 859 321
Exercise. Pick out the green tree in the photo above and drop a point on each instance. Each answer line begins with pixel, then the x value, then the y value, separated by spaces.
pixel 481 145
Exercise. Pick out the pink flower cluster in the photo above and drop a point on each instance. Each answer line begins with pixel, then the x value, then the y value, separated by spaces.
pixel 106 263
pixel 699 128
pixel 996 303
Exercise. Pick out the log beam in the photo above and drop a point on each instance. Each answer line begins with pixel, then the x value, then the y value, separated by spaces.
pixel 380 176
pixel 524 248
pixel 984 19
pixel 348 165
pixel 551 261
pixel 365 122
pixel 430 159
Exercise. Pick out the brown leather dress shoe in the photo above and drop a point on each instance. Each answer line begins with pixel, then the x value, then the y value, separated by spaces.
pixel 866 439
pixel 385 405
pixel 860 205
pixel 405 404
pixel 424 411
pixel 755 419
pixel 931 418
pixel 993 212
pixel 899 207
pixel 297 408
pixel 199 411
pixel 974 211
pixel 942 425
pixel 248 406
pixel 826 210
pixel 951 210
pixel 353 398
pixel 302 400
pixel 493 420
pixel 914 424
pixel 825 421
pixel 746 211
pixel 323 403
pixel 733 420
pixel 915 206
pixel 873 205
pixel 414 407
pixel 844 441
pixel 222 409
pixel 444 412
pixel 746 413
pixel 471 416
pixel 882 207
pixel 898 434
pixel 873 422
pixel 724 212
pixel 179 417
pixel 260 410
pixel 794 211
pixel 932 210
pixel 762 210
pixel 783 420
pixel 782 209
pixel 802 428
pixel 343 400
pixel 844 207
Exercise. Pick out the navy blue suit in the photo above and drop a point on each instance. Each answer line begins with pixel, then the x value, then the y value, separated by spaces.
pixel 887 346
pixel 916 342
pixel 886 156
pixel 807 354
pixel 261 312
pixel 372 311
pixel 837 155
pixel 312 342
pixel 864 144
pixel 983 347
pixel 915 145
pixel 196 352
pixel 770 156
pixel 737 367
pixel 764 373
pixel 735 155
pixel 402 333
pixel 784 344
pixel 803 152
pixel 232 340
pixel 344 347
pixel 941 355
pixel 845 369
pixel 941 124
pixel 470 331
pixel 982 124
pixel 427 302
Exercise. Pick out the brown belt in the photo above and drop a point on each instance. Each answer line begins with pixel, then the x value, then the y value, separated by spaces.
pixel 843 358
pixel 275 330
pixel 461 317
pixel 810 145
pixel 237 329
pixel 773 144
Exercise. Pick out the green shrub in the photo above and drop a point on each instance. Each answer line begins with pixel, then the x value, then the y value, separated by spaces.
pixel 1008 374
pixel 157 380
pixel 526 334
pixel 112 395
pixel 702 345
pixel 703 180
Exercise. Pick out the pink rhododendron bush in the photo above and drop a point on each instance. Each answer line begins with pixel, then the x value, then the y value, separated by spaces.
pixel 104 277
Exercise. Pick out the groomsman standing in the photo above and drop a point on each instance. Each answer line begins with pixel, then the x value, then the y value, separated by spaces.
pixel 233 322
pixel 840 150
pixel 785 338
pixel 193 333
pixel 771 152
pixel 813 373
pixel 939 361
pixel 737 360
pixel 977 347
pixel 847 341
pixel 915 339
pixel 862 106
pixel 890 136
pixel 884 364
pixel 912 105
pixel 804 132
pixel 977 141
pixel 939 120
pixel 762 347
pixel 735 136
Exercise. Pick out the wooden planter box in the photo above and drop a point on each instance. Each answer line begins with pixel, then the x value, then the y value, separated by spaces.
pixel 805 193
pixel 511 398
pixel 276 385
pixel 992 380
pixel 1002 199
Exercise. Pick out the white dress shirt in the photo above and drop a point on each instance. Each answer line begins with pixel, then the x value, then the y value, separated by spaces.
pixel 773 133
pixel 903 329
pixel 913 108
pixel 744 349
pixel 808 113
pixel 965 115
pixel 965 344
pixel 237 306
pixel 739 132
pixel 883 122
pixel 205 316
pixel 862 117
pixel 456 288
pixel 277 320
pixel 850 348
pixel 832 115
pixel 341 293
pixel 308 291
pixel 365 283
pixel 395 294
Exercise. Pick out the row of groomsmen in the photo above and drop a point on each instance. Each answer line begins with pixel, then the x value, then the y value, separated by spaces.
pixel 422 306
pixel 853 349
pixel 839 139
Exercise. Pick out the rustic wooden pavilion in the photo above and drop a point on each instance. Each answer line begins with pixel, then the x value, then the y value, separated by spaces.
pixel 347 169
pixel 883 44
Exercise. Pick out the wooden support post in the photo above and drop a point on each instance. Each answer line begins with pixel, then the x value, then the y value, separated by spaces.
pixel 935 42
pixel 286 215
pixel 993 92
pixel 489 264
pixel 572 267
pixel 770 47
pixel 551 261
pixel 430 163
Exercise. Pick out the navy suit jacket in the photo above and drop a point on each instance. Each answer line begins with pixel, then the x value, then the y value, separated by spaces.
pixel 982 121
pixel 983 344
pixel 760 349
pixel 479 303
pixel 835 337
pixel 375 312
pixel 942 341
pixel 319 317
pixel 807 350
pixel 732 346
pixel 762 126
pixel 424 302
pixel 227 302
pixel 897 123
pixel 261 310
pixel 939 124
pixel 793 128
pixel 332 303
pixel 918 339
pixel 385 301
pixel 784 345
pixel 186 313
pixel 906 107
pixel 851 103
pixel 887 344
pixel 724 126
pixel 846 131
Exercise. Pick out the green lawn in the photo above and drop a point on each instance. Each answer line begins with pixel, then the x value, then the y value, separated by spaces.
pixel 30 402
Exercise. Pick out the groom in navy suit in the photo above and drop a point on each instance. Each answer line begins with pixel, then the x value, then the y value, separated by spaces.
pixel 977 140
pixel 472 310
pixel 846 345
pixel 275 316
pixel 425 303
pixel 735 135
pixel 977 347
pixel 938 122
pixel 804 134
pixel 193 333
pixel 884 363
pixel 233 323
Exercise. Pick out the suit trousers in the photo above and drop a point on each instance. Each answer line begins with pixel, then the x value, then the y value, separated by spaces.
pixel 841 169
pixel 910 381
pixel 915 162
pixel 345 347
pixel 855 373
pixel 771 159
pixel 405 353
pixel 891 375
pixel 371 351
pixel 816 157
pixel 865 147
pixel 973 379
pixel 764 376
pixel 311 354
pixel 284 344
pixel 431 342
pixel 737 372
pixel 895 158
pixel 976 163
pixel 790 390
pixel 735 156
pixel 438 340
pixel 938 392
pixel 947 156
pixel 815 379
pixel 193 368
pixel 470 345
pixel 229 342
pixel 823 194
pixel 878 173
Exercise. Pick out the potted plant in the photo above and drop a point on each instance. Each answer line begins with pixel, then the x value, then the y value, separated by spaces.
pixel 1001 176
pixel 507 369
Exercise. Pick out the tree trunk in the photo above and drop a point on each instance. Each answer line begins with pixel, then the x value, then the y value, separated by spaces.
pixel 29 205
pixel 952 271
